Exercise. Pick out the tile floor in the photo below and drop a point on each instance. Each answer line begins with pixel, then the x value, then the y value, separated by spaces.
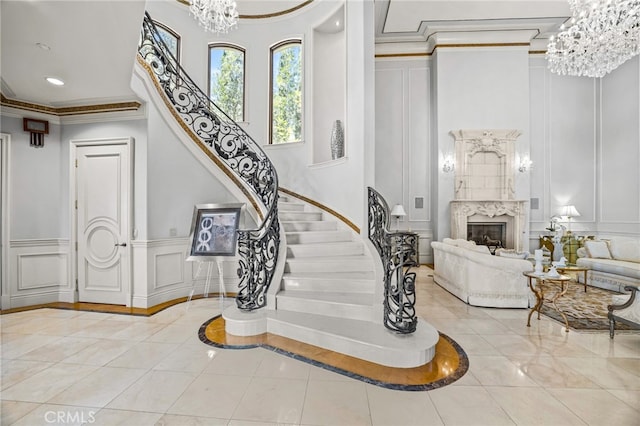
pixel 71 367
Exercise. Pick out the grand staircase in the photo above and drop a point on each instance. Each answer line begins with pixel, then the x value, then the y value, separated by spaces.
pixel 327 296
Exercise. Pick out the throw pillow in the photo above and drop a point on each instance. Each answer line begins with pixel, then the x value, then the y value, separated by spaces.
pixel 625 249
pixel 598 249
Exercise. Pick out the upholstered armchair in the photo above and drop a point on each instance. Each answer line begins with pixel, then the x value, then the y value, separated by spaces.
pixel 625 308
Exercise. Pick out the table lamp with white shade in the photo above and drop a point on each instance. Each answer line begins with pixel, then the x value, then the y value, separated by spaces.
pixel 569 211
pixel 398 211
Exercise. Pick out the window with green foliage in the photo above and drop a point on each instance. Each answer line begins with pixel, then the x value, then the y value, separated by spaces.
pixel 226 79
pixel 170 38
pixel 286 92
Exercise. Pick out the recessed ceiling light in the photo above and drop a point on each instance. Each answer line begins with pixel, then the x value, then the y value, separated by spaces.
pixel 55 81
pixel 43 46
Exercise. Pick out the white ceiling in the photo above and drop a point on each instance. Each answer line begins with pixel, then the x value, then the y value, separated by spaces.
pixel 93 42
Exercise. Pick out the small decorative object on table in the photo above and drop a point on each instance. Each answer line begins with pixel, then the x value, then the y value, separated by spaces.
pixel 538 259
pixel 337 140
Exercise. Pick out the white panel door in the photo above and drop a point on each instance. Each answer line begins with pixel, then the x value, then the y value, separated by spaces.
pixel 103 185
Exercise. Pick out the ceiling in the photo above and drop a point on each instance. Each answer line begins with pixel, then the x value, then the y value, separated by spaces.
pixel 95 61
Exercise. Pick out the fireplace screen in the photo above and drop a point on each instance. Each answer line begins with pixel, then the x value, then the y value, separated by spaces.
pixel 489 234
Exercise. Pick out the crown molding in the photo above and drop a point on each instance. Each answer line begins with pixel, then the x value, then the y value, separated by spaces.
pixel 72 114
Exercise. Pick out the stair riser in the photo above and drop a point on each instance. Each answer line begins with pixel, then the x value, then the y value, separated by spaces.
pixel 344 249
pixel 300 216
pixel 309 226
pixel 301 266
pixel 319 284
pixel 290 207
pixel 384 356
pixel 320 307
pixel 317 237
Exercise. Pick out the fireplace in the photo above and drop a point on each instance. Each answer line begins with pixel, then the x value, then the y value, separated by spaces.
pixel 487 233
pixel 511 213
pixel 484 190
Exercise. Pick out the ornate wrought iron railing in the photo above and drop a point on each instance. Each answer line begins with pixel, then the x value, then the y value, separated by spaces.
pixel 234 151
pixel 398 253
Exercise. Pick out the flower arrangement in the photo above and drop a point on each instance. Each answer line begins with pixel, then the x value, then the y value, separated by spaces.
pixel 556 228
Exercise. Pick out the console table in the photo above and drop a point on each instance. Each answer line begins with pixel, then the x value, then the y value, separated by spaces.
pixel 542 282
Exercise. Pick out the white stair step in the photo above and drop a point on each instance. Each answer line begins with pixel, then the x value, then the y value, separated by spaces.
pixel 342 305
pixel 300 216
pixel 353 282
pixel 366 340
pixel 325 249
pixel 307 237
pixel 329 264
pixel 287 206
pixel 308 226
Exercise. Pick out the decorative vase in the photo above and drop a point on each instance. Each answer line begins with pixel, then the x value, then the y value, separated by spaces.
pixel 337 140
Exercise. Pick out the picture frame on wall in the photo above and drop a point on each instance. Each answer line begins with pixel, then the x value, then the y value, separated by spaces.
pixel 214 231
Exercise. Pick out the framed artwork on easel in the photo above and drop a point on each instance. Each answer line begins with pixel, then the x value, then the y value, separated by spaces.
pixel 214 231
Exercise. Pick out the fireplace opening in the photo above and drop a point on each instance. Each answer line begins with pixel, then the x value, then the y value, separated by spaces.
pixel 491 234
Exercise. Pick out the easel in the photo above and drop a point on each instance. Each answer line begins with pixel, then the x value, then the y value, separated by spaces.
pixel 209 266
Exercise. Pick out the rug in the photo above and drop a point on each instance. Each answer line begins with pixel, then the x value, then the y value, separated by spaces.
pixel 586 311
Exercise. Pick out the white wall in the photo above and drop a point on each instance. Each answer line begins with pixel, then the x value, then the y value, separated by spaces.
pixel 618 152
pixel 176 182
pixel 38 194
pixel 586 149
pixel 403 145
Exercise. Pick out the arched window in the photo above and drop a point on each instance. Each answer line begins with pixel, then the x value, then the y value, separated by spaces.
pixel 226 79
pixel 286 92
pixel 170 38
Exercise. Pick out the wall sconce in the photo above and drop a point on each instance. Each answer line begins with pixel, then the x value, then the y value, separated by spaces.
pixel 449 165
pixel 525 164
pixel 398 211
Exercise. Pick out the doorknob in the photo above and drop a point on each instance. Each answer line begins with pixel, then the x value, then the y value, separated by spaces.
pixel 121 245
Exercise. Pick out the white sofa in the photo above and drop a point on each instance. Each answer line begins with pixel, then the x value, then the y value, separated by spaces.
pixel 475 276
pixel 613 263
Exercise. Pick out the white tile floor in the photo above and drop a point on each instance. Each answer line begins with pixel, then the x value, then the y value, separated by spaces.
pixel 68 367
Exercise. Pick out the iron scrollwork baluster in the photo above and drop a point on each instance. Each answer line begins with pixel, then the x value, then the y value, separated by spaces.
pixel 398 252
pixel 258 248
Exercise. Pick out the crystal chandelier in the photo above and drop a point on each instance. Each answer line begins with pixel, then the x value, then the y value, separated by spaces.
pixel 217 16
pixel 602 35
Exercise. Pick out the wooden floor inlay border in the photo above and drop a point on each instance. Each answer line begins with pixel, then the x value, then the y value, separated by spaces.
pixel 449 364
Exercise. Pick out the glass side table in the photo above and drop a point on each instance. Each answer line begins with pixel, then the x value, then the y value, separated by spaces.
pixel 542 283
pixel 575 268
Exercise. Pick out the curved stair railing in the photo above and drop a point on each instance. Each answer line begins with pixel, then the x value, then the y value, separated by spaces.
pixel 398 252
pixel 234 151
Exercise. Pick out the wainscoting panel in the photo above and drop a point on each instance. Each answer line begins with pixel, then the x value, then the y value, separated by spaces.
pixel 41 270
pixel 38 273
pixel 169 269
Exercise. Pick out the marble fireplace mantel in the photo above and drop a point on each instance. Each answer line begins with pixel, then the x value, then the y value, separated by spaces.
pixel 513 212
